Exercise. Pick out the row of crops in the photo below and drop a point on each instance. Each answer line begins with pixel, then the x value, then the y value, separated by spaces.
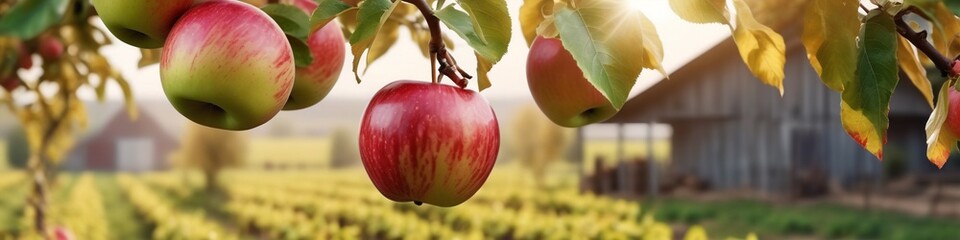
pixel 343 205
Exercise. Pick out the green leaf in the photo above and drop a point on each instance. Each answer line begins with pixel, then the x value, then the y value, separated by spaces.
pixel 326 11
pixel 371 16
pixel 459 22
pixel 866 99
pixel 485 25
pixel 291 19
pixel 834 58
pixel 29 18
pixel 608 47
pixel 302 55
pixel 954 6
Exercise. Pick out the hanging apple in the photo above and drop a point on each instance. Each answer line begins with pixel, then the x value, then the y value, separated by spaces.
pixel 141 23
pixel 953 110
pixel 428 143
pixel 559 87
pixel 227 65
pixel 50 48
pixel 314 82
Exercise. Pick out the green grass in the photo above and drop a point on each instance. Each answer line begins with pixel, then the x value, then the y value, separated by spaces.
pixel 121 214
pixel 11 208
pixel 822 220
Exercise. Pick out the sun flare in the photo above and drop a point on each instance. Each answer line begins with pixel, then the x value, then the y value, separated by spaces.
pixel 634 4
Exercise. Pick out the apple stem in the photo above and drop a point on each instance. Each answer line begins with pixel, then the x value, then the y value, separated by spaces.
pixel 433 64
pixel 438 50
pixel 919 39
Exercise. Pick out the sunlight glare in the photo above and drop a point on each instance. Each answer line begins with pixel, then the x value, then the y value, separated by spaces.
pixel 634 4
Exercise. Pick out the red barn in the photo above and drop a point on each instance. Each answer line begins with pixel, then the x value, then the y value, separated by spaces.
pixel 124 144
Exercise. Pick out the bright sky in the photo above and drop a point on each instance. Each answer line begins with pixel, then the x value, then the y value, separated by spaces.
pixel 682 41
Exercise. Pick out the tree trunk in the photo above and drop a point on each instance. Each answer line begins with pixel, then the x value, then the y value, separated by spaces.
pixel 38 193
pixel 211 180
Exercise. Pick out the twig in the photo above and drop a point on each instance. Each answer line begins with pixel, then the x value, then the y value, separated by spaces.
pixel 919 39
pixel 448 66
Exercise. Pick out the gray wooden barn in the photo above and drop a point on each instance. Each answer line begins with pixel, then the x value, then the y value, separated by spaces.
pixel 734 132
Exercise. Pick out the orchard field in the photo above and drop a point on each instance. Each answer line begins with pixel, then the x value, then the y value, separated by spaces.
pixel 315 204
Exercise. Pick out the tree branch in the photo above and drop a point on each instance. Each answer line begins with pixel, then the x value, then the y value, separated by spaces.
pixel 448 65
pixel 919 39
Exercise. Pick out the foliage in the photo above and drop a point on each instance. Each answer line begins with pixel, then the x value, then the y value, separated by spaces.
pixel 536 142
pixel 821 220
pixel 343 204
pixel 170 223
pixel 83 214
pixel 211 150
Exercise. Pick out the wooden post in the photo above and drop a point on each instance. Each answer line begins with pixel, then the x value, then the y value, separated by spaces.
pixel 581 160
pixel 621 169
pixel 653 187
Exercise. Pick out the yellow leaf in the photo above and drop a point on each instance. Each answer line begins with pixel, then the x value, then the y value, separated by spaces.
pixel 652 47
pixel 149 57
pixel 940 141
pixel 859 127
pixel 949 27
pixel 953 49
pixel 701 11
pixel 128 99
pixel 386 38
pixel 483 68
pixel 839 20
pixel 532 13
pixel 696 233
pixel 909 63
pixel 78 112
pixel 32 129
pixel 762 49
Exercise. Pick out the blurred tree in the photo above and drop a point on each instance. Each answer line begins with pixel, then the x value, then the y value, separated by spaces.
pixel 18 150
pixel 537 142
pixel 210 151
pixel 344 150
pixel 60 35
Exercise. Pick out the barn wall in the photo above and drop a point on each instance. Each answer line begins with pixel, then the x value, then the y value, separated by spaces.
pixel 736 132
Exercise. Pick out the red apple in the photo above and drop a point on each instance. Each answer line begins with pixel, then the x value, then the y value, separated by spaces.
pixel 428 143
pixel 62 233
pixel 26 58
pixel 953 111
pixel 307 5
pixel 10 83
pixel 227 65
pixel 314 82
pixel 560 88
pixel 50 47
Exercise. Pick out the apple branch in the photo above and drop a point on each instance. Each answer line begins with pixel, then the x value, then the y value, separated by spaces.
pixel 438 50
pixel 919 39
